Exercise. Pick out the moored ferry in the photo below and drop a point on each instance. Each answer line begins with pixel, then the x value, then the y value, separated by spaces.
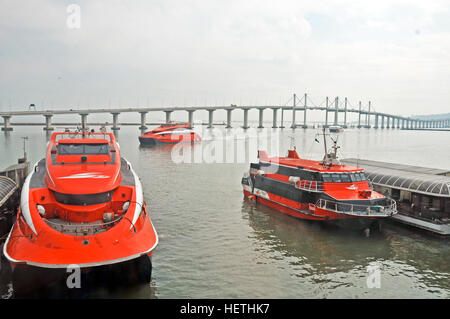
pixel 82 205
pixel 324 190
pixel 170 133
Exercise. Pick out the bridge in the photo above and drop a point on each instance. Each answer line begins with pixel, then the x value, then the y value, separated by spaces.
pixel 366 115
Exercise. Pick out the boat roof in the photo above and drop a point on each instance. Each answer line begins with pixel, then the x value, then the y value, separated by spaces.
pixel 83 141
pixel 294 160
pixel 80 137
pixel 411 178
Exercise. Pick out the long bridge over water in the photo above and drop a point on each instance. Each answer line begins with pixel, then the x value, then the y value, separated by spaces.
pixel 330 106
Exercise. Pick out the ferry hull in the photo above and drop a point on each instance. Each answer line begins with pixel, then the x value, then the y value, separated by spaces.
pixel 154 141
pixel 52 249
pixel 328 217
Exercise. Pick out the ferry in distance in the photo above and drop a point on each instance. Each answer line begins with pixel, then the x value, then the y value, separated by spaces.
pixel 170 133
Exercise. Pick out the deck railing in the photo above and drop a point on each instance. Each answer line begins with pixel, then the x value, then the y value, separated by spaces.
pixel 310 186
pixel 81 228
pixel 389 209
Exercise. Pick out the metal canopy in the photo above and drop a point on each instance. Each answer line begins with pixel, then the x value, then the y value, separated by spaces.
pixel 402 177
pixel 7 188
pixel 400 167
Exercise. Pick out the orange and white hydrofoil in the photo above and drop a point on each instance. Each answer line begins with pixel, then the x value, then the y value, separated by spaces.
pixel 81 205
pixel 170 133
pixel 317 190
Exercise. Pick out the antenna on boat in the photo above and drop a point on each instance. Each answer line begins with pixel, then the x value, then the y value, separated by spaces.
pixel 292 138
pixel 330 158
pixel 103 130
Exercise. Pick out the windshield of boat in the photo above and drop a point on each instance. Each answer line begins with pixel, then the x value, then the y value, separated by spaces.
pixel 87 149
pixel 343 177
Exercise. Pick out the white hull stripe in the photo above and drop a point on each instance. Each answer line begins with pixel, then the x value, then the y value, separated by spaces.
pixel 25 200
pixel 139 196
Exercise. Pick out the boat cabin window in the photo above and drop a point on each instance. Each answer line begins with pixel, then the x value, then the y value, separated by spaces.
pixel 86 149
pixel 343 177
pixel 336 178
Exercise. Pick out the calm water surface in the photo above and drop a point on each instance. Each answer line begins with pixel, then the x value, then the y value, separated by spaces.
pixel 213 244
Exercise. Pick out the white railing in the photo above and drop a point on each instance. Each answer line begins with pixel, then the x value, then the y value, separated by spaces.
pixel 80 228
pixel 389 209
pixel 310 186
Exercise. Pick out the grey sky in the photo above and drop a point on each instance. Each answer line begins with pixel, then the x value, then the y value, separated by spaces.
pixel 394 53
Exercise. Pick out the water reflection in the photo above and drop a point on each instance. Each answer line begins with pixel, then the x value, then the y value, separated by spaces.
pixel 117 281
pixel 324 248
pixel 320 252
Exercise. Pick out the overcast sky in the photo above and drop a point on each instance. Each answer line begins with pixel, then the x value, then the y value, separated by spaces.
pixel 153 53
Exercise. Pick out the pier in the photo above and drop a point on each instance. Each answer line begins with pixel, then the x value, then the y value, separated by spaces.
pixel 340 108
pixel 11 181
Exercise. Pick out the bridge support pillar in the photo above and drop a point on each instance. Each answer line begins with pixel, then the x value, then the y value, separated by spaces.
pixel 304 118
pixel 293 125
pixel 115 126
pixel 261 118
pixel 143 120
pixel 274 124
pixel 282 117
pixel 382 121
pixel 336 111
pixel 229 118
pixel 191 117
pixel 210 118
pixel 304 112
pixel 6 123
pixel 48 122
pixel 376 121
pixel 245 119
pixel 388 120
pixel 326 113
pixel 84 120
pixel 168 113
pixel 359 115
pixel 345 113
